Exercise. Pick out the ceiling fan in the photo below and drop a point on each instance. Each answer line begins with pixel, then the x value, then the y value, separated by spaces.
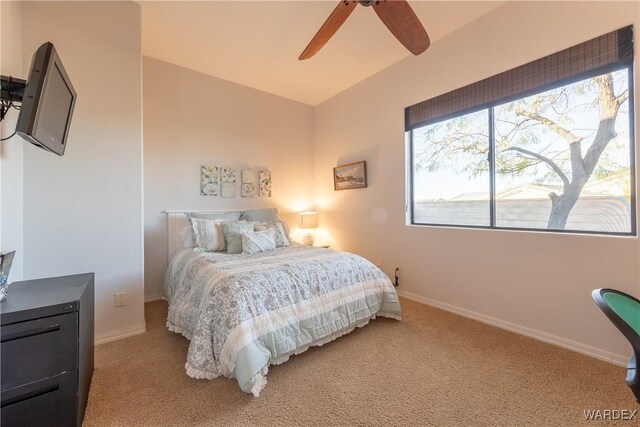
pixel 397 15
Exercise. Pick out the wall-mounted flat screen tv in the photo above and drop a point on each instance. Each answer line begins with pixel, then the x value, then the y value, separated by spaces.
pixel 48 101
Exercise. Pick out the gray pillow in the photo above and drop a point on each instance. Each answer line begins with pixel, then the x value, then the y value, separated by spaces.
pixel 260 215
pixel 233 235
pixel 222 216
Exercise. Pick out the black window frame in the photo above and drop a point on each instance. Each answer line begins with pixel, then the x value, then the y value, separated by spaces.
pixel 618 66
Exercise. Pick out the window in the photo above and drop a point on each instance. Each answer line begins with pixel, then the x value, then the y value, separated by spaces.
pixel 449 171
pixel 559 157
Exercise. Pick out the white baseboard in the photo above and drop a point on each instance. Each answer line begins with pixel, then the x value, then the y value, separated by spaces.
pixel 149 298
pixel 588 350
pixel 119 334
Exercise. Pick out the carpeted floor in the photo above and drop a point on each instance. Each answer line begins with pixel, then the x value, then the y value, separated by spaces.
pixel 433 368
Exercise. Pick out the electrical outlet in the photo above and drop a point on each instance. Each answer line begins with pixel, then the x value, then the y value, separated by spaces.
pixel 378 264
pixel 397 271
pixel 119 299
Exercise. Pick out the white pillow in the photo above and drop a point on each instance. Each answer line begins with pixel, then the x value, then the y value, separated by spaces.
pixel 258 241
pixel 287 231
pixel 217 216
pixel 208 233
pixel 279 232
pixel 186 237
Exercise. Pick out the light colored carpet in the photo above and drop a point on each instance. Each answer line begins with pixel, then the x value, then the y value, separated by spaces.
pixel 432 368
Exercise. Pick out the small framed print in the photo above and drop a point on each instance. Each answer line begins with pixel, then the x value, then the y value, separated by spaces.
pixel 249 190
pixel 249 187
pixel 265 183
pixel 249 176
pixel 209 180
pixel 227 189
pixel 227 175
pixel 353 175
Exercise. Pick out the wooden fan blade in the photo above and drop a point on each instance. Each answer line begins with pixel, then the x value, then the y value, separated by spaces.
pixel 329 28
pixel 403 23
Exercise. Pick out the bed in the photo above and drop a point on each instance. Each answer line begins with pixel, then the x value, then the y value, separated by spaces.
pixel 243 313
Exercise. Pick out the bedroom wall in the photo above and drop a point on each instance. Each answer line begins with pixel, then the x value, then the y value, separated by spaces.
pixel 191 119
pixel 534 283
pixel 11 151
pixel 83 211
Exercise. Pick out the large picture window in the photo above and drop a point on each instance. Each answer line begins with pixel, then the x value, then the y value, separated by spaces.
pixel 558 157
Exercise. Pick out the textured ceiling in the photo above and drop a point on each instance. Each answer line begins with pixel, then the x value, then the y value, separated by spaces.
pixel 257 43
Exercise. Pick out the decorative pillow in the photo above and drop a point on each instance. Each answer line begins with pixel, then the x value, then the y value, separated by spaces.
pixel 258 241
pixel 186 237
pixel 233 235
pixel 209 236
pixel 287 230
pixel 260 215
pixel 279 232
pixel 219 216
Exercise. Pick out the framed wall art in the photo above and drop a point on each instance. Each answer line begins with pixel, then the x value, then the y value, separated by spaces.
pixel 353 175
pixel 227 175
pixel 208 180
pixel 265 183
pixel 249 183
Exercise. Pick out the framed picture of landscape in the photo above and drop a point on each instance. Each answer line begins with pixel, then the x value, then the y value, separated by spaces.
pixel 350 176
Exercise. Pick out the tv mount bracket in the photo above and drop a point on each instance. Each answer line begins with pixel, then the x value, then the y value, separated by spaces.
pixel 11 92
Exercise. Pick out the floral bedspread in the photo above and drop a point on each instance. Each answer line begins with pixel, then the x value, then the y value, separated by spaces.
pixel 243 313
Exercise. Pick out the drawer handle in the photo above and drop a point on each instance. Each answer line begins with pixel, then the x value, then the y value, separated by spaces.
pixel 30 395
pixel 31 332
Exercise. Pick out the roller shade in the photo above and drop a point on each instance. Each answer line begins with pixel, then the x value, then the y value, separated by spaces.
pixel 601 52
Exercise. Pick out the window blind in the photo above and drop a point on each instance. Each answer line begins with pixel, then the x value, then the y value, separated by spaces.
pixel 604 51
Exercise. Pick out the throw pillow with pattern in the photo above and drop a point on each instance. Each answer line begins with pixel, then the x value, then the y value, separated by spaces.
pixel 278 229
pixel 258 241
pixel 208 234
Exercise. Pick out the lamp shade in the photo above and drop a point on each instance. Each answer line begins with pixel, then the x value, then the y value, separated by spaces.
pixel 309 220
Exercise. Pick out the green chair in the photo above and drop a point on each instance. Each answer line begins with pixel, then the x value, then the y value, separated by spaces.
pixel 624 312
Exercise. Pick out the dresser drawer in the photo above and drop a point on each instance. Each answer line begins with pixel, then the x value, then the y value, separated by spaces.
pixel 37 349
pixel 48 402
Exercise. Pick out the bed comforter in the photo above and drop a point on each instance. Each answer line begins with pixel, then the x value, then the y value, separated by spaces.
pixel 243 313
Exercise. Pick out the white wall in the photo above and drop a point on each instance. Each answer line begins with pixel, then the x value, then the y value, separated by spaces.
pixel 11 151
pixel 191 119
pixel 83 211
pixel 537 283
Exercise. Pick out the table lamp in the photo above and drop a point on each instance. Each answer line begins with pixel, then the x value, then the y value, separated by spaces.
pixel 308 222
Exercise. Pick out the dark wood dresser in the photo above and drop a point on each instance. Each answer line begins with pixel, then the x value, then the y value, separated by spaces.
pixel 46 350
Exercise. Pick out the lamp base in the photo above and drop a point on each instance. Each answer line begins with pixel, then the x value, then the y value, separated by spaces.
pixel 308 239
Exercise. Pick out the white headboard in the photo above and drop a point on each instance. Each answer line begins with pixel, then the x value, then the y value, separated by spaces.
pixel 176 221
